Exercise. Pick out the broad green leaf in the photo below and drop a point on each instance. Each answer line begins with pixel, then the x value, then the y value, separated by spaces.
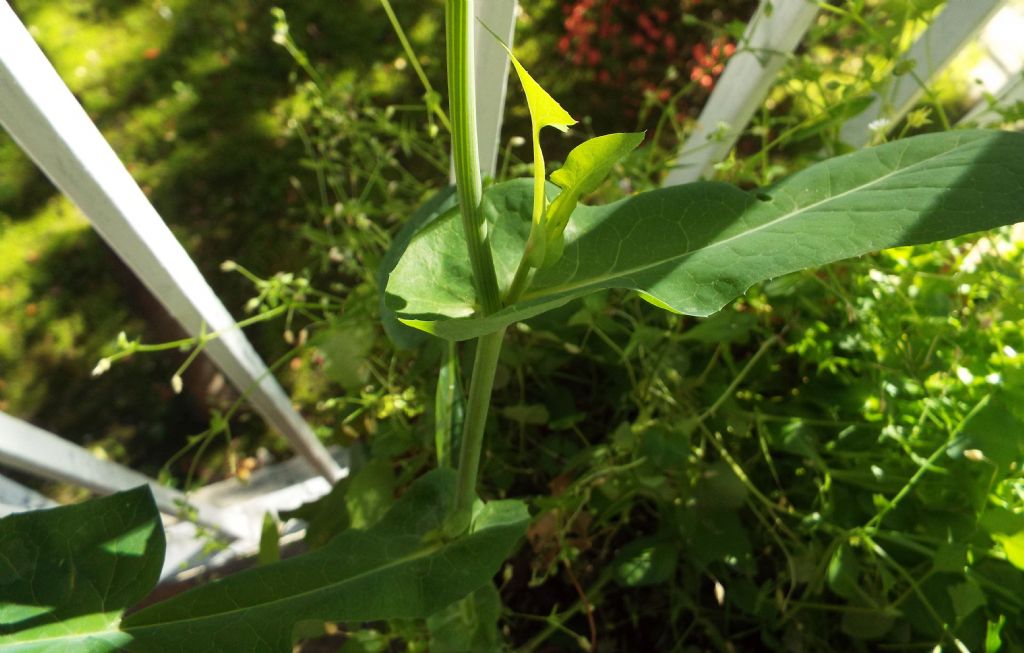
pixel 646 561
pixel 346 348
pixel 68 573
pixel 469 625
pixel 326 516
pixel 696 247
pixel 966 598
pixel 371 493
pixel 1013 546
pixel 585 168
pixel 396 569
pixel 402 336
pixel 863 623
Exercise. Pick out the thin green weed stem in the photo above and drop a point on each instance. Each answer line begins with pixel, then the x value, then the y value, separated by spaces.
pixel 924 468
pixel 432 103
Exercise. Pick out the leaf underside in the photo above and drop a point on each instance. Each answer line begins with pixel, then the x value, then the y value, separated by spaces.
pixel 389 571
pixel 694 248
pixel 67 574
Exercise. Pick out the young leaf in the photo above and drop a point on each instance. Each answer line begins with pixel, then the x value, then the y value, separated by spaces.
pixel 397 569
pixel 545 111
pixel 326 516
pixel 696 247
pixel 270 540
pixel 68 573
pixel 584 170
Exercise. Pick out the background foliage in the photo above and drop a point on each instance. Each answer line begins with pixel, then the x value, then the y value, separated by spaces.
pixel 831 463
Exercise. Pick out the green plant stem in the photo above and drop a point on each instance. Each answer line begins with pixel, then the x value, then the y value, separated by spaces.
pixel 410 54
pixel 488 348
pixel 465 151
pixel 520 282
pixel 926 467
pixel 523 277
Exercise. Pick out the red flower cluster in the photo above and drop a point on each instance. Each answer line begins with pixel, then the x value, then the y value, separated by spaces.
pixel 629 45
pixel 709 65
pixel 621 39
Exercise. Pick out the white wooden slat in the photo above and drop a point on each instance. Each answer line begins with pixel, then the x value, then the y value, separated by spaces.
pixel 30 449
pixel 492 64
pixel 275 488
pixel 15 497
pixel 954 27
pixel 772 35
pixel 44 118
pixel 1000 74
pixel 984 113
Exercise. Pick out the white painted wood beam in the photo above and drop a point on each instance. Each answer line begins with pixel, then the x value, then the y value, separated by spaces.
pixel 958 23
pixel 45 119
pixel 773 33
pixel 492 64
pixel 15 497
pixel 30 449
pixel 984 113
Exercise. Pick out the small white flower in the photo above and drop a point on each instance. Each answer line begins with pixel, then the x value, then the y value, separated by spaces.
pixel 964 375
pixel 878 125
pixel 1009 351
pixel 176 384
pixel 995 378
pixel 974 455
pixel 517 141
pixel 101 367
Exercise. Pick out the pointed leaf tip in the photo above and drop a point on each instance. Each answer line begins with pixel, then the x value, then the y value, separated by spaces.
pixel 590 162
pixel 586 167
pixel 545 111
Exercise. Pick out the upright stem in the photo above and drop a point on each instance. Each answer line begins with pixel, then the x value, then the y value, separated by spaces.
pixel 488 348
pixel 459 17
pixel 465 151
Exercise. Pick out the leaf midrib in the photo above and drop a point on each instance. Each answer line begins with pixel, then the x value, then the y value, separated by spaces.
pixel 68 637
pixel 547 292
pixel 292 597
